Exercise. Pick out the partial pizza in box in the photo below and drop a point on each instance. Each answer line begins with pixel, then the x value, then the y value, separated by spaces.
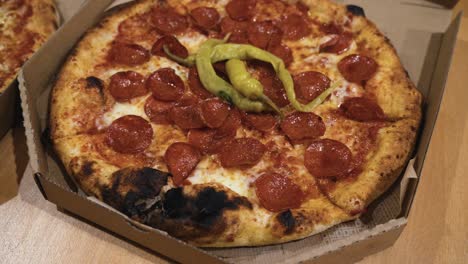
pixel 24 27
pixel 235 123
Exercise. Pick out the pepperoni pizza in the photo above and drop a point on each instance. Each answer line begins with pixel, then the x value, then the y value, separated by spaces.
pixel 235 123
pixel 24 27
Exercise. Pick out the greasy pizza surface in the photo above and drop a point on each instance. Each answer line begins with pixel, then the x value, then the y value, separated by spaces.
pixel 24 27
pixel 148 136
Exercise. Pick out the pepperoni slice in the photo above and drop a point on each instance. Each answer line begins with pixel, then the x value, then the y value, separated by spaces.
pixel 205 17
pixel 230 125
pixel 294 27
pixel 273 87
pixel 167 21
pixel 126 85
pixel 283 52
pixel 337 44
pixel 277 192
pixel 214 112
pixel 260 34
pixel 331 28
pixel 310 84
pixel 362 109
pixel 260 122
pixel 128 54
pixel 237 29
pixel 181 159
pixel 241 152
pixel 328 158
pixel 129 134
pixel 357 68
pixel 157 110
pixel 188 99
pixel 202 139
pixel 186 117
pixel 205 141
pixel 137 28
pixel 172 43
pixel 220 68
pixel 165 84
pixel 301 125
pixel 196 86
pixel 241 10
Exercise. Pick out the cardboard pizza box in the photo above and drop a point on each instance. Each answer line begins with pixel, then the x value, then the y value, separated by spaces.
pixel 424 36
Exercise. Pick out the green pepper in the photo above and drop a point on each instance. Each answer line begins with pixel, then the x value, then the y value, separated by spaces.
pixel 216 85
pixel 247 85
pixel 215 50
pixel 244 52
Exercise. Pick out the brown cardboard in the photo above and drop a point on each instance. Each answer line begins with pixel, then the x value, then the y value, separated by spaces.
pixel 8 102
pixel 418 33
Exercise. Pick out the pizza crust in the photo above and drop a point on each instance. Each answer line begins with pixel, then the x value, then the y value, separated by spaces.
pixel 238 220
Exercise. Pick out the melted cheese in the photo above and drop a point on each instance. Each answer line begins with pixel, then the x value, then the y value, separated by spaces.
pixel 344 90
pixel 236 180
pixel 134 107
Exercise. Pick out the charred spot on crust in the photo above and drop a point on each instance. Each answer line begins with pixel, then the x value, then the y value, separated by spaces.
pixel 204 209
pixel 287 220
pixel 184 216
pixel 87 168
pixel 356 10
pixel 82 169
pixel 135 191
pixel 94 82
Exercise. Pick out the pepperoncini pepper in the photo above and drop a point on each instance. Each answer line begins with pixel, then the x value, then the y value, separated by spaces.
pixel 216 85
pixel 244 52
pixel 215 50
pixel 247 85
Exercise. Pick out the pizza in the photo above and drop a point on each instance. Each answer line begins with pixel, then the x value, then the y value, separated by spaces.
pixel 235 123
pixel 24 27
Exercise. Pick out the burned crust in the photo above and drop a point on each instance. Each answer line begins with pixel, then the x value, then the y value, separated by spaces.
pixel 134 191
pixel 94 82
pixel 197 212
pixel 287 221
pixel 356 10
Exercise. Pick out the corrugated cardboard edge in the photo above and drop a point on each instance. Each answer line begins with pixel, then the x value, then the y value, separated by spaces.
pixel 360 245
pixel 433 102
pixel 32 137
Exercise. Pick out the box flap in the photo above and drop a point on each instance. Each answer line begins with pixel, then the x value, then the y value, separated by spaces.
pixel 432 103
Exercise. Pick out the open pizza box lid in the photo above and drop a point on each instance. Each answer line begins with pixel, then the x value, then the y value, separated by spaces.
pixel 424 36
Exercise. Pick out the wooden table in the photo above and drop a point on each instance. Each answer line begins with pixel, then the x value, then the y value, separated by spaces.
pixel 32 230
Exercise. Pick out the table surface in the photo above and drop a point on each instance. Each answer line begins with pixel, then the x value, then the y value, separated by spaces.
pixel 32 230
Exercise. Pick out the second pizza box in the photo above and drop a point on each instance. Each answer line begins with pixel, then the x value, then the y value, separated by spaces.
pixel 422 33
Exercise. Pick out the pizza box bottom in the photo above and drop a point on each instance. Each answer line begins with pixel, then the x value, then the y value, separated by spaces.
pixel 424 36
